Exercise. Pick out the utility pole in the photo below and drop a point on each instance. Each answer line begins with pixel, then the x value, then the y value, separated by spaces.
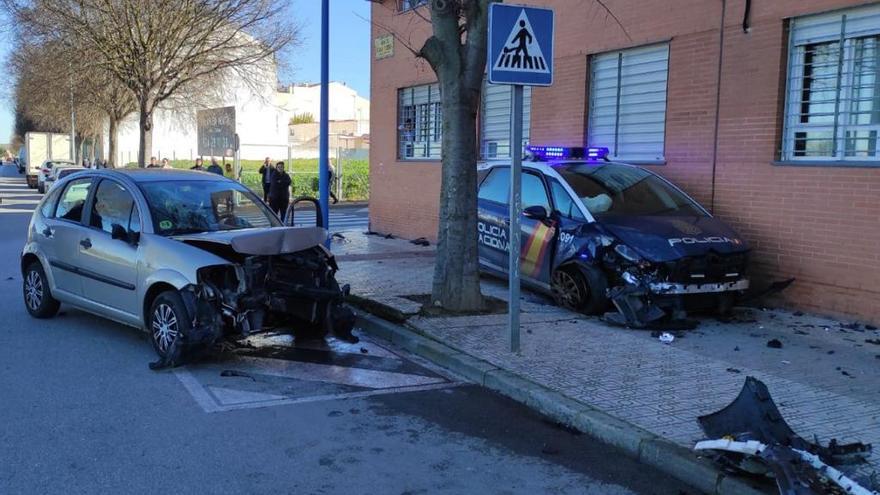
pixel 72 115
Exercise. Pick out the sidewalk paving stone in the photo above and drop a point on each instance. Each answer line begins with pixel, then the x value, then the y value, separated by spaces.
pixel 634 377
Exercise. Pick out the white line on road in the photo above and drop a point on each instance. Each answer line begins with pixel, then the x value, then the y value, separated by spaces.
pixel 210 405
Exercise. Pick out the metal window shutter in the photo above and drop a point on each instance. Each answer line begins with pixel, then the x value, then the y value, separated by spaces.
pixel 628 102
pixel 862 21
pixel 495 122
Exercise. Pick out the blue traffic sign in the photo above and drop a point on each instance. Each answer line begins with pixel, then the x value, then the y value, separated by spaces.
pixel 520 45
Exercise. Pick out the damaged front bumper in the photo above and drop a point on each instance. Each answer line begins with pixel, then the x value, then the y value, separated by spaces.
pixel 663 288
pixel 643 301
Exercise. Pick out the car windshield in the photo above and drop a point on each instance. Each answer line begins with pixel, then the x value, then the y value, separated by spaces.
pixel 612 189
pixel 191 207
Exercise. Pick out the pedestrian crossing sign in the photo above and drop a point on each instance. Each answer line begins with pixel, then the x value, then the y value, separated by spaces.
pixel 520 45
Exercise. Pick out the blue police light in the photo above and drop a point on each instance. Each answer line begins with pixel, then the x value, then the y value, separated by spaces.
pixel 597 153
pixel 555 152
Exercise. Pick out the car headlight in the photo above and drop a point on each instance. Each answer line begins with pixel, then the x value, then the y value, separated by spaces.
pixel 627 253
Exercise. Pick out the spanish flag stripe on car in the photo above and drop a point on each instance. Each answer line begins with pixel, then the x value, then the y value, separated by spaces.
pixel 535 250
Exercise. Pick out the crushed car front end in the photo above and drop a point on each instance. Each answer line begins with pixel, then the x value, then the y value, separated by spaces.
pixel 280 277
pixel 661 253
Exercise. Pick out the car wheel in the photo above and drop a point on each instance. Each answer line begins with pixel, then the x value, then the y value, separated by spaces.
pixel 41 189
pixel 167 322
pixel 580 289
pixel 37 298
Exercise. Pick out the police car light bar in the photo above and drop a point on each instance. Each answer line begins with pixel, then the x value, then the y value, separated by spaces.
pixel 567 153
pixel 555 152
pixel 597 153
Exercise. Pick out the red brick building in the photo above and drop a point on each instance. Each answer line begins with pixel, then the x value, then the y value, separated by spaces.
pixel 766 111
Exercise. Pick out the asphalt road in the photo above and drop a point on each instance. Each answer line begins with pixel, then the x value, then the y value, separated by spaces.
pixel 80 412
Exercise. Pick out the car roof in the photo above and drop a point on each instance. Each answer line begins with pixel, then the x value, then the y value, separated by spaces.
pixel 141 175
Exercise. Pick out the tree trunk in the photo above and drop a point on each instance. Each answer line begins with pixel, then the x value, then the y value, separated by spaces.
pixel 456 284
pixel 145 146
pixel 112 141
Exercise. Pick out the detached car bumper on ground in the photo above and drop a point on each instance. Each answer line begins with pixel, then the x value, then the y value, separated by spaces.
pixel 596 232
pixel 188 256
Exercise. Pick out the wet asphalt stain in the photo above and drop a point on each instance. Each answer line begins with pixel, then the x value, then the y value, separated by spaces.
pixel 516 428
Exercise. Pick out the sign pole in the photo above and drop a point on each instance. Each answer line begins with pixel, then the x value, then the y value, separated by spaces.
pixel 515 217
pixel 324 125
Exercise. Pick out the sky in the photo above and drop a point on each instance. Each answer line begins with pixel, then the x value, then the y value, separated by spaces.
pixel 349 51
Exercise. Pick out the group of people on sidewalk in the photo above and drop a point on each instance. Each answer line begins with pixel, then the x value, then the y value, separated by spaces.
pixel 214 167
pixel 154 164
pixel 94 164
pixel 276 186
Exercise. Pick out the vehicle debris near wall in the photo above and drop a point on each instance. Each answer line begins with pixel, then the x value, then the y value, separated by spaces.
pixel 751 435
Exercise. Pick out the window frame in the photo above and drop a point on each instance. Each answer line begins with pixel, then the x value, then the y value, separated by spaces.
pixel 134 202
pixel 407 5
pixel 427 124
pixel 496 149
pixel 797 48
pixel 86 202
pixel 542 179
pixel 613 147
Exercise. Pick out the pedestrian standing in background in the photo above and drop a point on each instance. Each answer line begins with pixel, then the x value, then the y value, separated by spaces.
pixel 279 191
pixel 215 168
pixel 166 163
pixel 153 163
pixel 331 172
pixel 266 177
pixel 198 165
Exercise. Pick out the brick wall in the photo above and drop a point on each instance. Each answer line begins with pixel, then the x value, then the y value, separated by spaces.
pixel 818 224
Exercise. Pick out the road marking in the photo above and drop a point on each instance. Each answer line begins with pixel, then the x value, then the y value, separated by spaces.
pixel 211 405
pixel 318 371
pixel 328 373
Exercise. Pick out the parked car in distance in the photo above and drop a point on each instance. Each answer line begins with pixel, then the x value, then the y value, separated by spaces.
pixel 59 172
pixel 46 169
pixel 597 232
pixel 188 256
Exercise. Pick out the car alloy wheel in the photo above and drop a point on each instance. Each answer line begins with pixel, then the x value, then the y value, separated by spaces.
pixel 567 290
pixel 33 290
pixel 165 327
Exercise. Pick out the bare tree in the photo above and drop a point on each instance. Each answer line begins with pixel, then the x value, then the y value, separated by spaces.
pixel 158 49
pixel 45 86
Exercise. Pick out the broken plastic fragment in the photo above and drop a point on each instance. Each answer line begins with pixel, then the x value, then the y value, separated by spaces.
pixel 754 416
pixel 666 338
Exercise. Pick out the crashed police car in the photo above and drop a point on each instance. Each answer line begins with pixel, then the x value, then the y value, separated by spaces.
pixel 596 231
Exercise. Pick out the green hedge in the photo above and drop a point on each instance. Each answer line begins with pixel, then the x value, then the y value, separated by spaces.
pixel 304 176
pixel 355 186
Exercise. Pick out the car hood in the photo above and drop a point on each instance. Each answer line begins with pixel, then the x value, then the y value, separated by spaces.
pixel 263 241
pixel 667 238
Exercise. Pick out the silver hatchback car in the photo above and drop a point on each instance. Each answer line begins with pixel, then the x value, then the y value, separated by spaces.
pixel 187 256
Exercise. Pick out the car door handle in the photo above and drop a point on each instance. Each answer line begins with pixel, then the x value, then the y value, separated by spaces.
pixel 86 243
pixel 47 232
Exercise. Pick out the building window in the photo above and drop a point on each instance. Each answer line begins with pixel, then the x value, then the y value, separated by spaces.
pixel 419 122
pixel 833 87
pixel 495 120
pixel 404 5
pixel 627 111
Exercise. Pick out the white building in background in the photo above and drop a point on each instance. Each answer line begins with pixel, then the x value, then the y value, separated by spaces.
pixel 345 103
pixel 261 124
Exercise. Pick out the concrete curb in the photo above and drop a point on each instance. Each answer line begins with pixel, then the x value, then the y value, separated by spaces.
pixel 634 441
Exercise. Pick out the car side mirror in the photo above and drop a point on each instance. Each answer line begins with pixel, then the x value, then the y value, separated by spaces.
pixel 536 212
